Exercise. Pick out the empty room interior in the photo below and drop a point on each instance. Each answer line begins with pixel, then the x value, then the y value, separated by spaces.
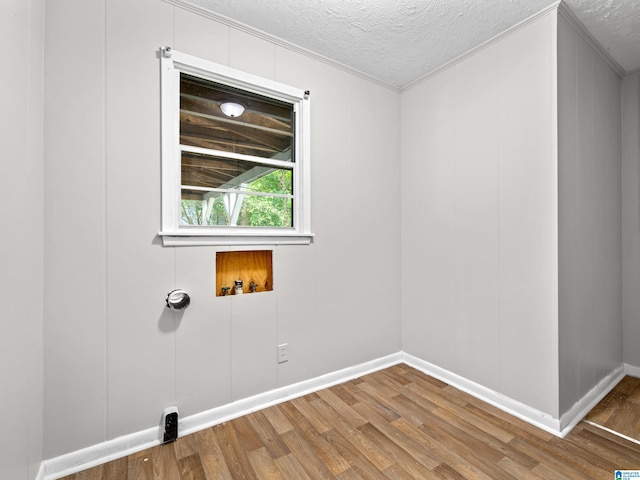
pixel 486 231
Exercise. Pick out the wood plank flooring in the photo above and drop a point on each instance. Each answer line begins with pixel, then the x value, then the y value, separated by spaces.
pixel 394 424
pixel 620 409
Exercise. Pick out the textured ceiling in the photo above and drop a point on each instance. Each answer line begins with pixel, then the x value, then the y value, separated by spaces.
pixel 399 41
pixel 616 26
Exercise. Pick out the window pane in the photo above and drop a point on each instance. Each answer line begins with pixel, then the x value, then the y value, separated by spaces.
pixel 196 209
pixel 264 129
pixel 209 171
pixel 254 195
pixel 261 211
pixel 235 209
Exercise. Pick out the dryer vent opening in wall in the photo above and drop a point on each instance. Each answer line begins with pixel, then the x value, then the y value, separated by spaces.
pixel 169 424
pixel 253 270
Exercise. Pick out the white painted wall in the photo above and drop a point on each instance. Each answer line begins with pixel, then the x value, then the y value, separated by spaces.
pixel 21 244
pixel 631 219
pixel 590 327
pixel 479 222
pixel 75 243
pixel 115 356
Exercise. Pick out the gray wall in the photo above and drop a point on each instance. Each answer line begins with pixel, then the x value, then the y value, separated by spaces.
pixel 21 245
pixel 479 221
pixel 511 217
pixel 631 218
pixel 590 328
pixel 117 356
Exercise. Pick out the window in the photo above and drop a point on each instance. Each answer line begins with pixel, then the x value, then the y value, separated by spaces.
pixel 235 156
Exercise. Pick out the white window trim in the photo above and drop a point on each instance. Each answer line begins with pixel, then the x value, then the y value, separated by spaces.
pixel 172 233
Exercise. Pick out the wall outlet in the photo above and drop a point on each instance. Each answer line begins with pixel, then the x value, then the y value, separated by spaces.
pixel 283 353
pixel 169 424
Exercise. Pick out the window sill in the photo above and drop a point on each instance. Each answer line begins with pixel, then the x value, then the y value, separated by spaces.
pixel 187 239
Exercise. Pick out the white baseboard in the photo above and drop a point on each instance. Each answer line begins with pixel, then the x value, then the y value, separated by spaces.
pixel 40 474
pixel 73 462
pixel 245 406
pixel 94 455
pixel 513 407
pixel 632 370
pixel 580 409
pixel 559 427
pixel 100 453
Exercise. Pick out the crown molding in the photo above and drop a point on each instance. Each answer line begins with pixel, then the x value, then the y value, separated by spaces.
pixel 230 22
pixel 565 12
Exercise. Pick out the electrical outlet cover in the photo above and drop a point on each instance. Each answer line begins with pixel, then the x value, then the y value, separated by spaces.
pixel 283 353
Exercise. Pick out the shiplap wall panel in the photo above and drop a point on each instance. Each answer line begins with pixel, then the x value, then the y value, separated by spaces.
pixel 385 281
pixel 476 205
pixel 569 264
pixel 363 168
pixel 487 301
pixel 528 217
pixel 590 328
pixel 140 273
pixel 631 218
pixel 252 54
pixel 201 36
pixel 75 223
pixel 203 330
pixel 253 344
pixel 21 245
pixel 428 221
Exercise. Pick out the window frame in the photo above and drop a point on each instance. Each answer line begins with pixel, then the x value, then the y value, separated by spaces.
pixel 173 63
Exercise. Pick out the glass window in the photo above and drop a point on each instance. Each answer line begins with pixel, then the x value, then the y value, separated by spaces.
pixel 235 156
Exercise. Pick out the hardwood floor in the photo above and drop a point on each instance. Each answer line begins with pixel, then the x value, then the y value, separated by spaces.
pixel 394 424
pixel 620 409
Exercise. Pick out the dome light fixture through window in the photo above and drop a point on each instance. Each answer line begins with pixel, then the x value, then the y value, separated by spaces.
pixel 231 109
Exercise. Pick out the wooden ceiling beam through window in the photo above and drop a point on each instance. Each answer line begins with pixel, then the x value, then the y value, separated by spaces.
pixel 219 93
pixel 212 108
pixel 219 129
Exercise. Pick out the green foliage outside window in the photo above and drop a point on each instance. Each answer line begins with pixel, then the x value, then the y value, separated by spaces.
pixel 262 211
pixel 256 211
